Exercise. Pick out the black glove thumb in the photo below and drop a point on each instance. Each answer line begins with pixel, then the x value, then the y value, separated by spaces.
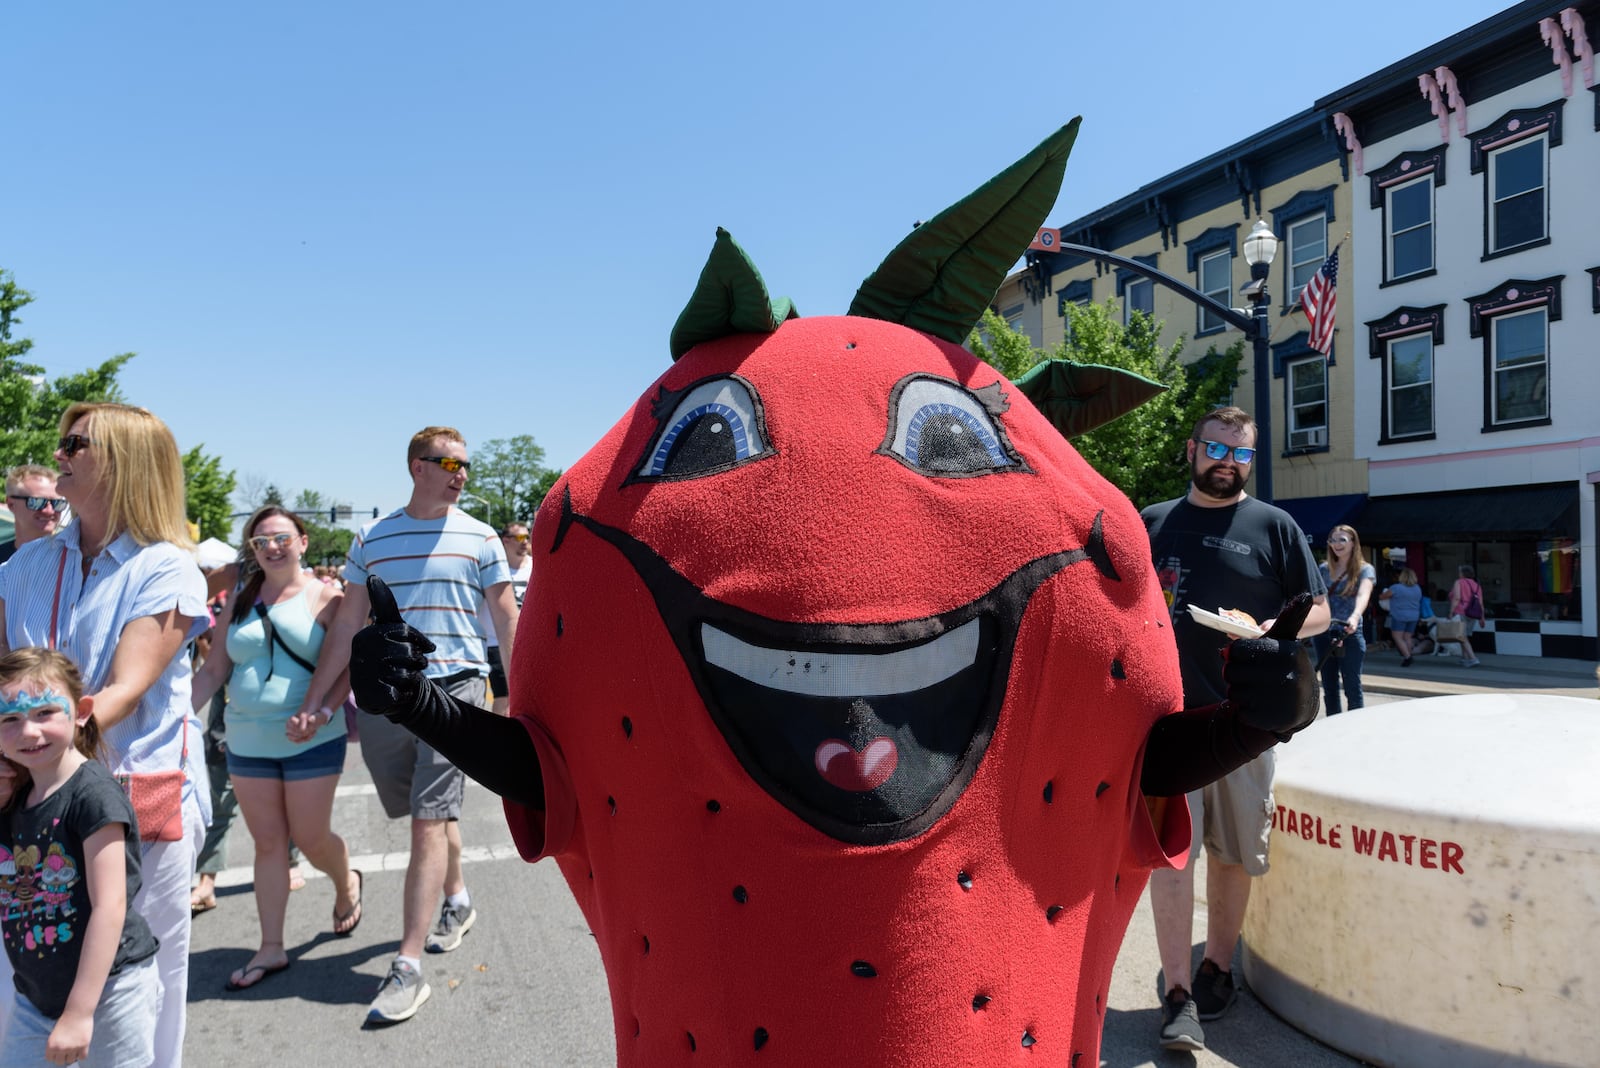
pixel 387 659
pixel 1285 628
pixel 384 610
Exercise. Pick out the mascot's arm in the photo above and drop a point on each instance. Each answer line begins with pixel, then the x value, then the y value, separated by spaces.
pixel 1272 693
pixel 387 661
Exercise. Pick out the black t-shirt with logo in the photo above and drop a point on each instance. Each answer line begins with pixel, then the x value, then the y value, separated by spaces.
pixel 44 897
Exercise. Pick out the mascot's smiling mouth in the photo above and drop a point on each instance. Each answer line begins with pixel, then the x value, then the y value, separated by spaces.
pixel 867 731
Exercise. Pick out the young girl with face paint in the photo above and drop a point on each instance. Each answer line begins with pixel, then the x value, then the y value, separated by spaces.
pixel 86 985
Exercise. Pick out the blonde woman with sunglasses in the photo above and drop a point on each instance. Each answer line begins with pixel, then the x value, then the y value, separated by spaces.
pixel 118 591
pixel 285 762
pixel 1342 648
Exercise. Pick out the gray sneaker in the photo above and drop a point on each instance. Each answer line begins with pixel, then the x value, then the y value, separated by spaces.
pixel 1180 1022
pixel 453 923
pixel 400 996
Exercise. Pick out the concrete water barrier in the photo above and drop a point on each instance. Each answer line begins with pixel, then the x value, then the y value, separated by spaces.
pixel 1434 896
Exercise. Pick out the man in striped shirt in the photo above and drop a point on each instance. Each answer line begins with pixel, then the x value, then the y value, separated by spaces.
pixel 443 566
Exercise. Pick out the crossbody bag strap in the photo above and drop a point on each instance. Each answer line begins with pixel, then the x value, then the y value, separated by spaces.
pixel 274 639
pixel 55 604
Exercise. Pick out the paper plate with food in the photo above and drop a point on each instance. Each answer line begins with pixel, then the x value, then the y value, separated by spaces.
pixel 1228 620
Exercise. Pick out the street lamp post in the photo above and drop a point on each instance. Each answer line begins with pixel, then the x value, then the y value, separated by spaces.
pixel 1259 249
pixel 488 509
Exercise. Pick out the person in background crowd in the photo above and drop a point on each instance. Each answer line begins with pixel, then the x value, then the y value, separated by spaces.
pixel 514 538
pixel 31 496
pixel 1214 548
pixel 1403 601
pixel 444 565
pixel 1342 648
pixel 285 762
pixel 1465 593
pixel 119 592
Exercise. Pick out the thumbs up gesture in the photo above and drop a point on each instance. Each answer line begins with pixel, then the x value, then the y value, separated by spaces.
pixel 388 658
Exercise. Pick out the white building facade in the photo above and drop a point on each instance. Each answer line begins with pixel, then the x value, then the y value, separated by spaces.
pixel 1476 292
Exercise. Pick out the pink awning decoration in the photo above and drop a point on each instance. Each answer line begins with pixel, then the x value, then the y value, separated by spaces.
pixel 1552 34
pixel 1430 93
pixel 1343 126
pixel 1452 96
pixel 1572 22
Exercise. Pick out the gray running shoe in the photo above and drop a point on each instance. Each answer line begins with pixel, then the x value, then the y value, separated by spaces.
pixel 1214 992
pixel 1180 1022
pixel 453 923
pixel 400 996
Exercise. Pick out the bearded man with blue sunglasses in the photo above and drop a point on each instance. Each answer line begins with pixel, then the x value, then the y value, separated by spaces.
pixel 1218 548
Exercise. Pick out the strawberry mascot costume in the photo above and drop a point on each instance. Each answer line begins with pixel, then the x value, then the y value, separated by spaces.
pixel 844 693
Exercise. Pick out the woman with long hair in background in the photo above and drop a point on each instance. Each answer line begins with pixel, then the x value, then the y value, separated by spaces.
pixel 284 763
pixel 1342 648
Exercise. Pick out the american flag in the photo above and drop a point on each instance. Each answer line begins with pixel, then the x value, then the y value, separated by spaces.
pixel 1320 299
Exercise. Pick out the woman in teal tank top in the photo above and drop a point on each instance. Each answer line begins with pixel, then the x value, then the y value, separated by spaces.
pixel 285 763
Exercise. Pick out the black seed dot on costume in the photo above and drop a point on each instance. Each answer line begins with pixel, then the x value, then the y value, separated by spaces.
pixel 849 344
pixel 691 1040
pixel 862 969
pixel 713 807
pixel 1117 671
pixel 980 1001
pixel 1028 1040
pixel 1075 1058
pixel 559 626
pixel 761 1037
pixel 1102 788
pixel 964 880
pixel 591 875
pixel 1116 884
pixel 635 1028
pixel 1049 793
pixel 627 726
pixel 613 803
pixel 740 894
pixel 646 939
pixel 1053 911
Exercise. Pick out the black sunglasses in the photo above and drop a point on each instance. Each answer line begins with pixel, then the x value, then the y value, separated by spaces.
pixel 38 504
pixel 72 445
pixel 449 463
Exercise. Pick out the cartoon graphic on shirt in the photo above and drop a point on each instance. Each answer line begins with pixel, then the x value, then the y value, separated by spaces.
pixel 35 891
pixel 1171 573
pixel 57 878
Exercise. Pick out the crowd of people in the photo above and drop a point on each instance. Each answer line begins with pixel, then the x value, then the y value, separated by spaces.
pixel 113 673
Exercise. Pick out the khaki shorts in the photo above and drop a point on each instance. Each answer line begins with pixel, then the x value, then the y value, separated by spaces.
pixel 1233 816
pixel 411 777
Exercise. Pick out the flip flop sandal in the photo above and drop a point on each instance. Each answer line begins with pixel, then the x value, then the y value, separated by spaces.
pixel 201 904
pixel 267 972
pixel 355 911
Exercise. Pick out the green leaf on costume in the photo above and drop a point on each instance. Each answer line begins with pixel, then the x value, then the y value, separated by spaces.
pixel 944 274
pixel 730 298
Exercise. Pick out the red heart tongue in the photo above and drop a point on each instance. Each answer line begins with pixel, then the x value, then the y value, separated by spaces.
pixel 857 772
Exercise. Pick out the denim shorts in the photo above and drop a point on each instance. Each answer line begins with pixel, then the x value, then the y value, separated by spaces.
pixel 313 763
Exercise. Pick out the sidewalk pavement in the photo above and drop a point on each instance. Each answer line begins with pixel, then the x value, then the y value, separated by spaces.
pixel 1438 676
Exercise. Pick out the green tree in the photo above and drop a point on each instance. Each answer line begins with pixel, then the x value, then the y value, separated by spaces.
pixel 1142 453
pixel 507 472
pixel 208 490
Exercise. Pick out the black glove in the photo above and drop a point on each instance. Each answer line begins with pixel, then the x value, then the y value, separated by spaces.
pixel 387 661
pixel 1272 693
pixel 1271 681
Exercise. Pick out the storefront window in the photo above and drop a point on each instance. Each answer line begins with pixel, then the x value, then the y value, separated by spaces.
pixel 1520 579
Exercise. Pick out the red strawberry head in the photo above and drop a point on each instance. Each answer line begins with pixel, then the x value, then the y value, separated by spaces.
pixel 843 526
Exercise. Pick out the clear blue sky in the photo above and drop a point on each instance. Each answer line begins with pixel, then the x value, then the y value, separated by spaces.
pixel 323 226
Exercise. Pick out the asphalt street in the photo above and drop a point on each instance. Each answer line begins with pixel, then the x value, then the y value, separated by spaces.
pixel 526 987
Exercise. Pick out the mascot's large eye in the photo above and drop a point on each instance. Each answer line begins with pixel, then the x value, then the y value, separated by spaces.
pixel 940 428
pixel 711 426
